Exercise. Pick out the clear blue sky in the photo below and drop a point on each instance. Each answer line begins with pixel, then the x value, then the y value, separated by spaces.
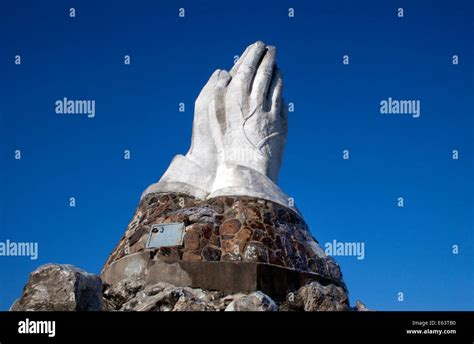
pixel 336 107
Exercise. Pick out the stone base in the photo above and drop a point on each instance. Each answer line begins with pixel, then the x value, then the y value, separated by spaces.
pixel 231 244
pixel 228 277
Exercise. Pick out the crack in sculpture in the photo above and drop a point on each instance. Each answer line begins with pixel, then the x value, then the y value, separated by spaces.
pixel 262 142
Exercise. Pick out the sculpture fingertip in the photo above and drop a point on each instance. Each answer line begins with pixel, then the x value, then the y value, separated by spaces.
pixel 223 78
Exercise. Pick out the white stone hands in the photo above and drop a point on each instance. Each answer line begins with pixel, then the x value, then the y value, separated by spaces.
pixel 250 128
pixel 239 133
pixel 253 127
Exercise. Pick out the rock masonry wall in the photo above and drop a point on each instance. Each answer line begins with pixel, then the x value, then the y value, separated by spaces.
pixel 228 229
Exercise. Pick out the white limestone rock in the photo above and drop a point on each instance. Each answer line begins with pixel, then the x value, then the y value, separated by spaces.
pixel 60 287
pixel 254 302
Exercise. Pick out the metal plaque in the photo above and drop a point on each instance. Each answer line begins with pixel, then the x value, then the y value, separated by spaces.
pixel 165 234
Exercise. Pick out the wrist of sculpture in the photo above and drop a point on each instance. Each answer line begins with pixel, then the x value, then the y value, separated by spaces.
pixel 243 156
pixel 238 180
pixel 183 176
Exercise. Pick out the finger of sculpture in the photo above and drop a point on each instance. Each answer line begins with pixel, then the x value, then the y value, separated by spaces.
pixel 263 77
pixel 237 64
pixel 216 113
pixel 202 149
pixel 244 75
pixel 223 79
pixel 217 132
pixel 275 92
pixel 208 88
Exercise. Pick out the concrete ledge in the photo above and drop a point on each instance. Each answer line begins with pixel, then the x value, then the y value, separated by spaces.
pixel 229 277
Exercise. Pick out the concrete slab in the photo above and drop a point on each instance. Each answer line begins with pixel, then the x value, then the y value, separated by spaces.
pixel 229 277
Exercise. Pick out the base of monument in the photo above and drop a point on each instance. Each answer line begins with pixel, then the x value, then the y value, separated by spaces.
pixel 228 277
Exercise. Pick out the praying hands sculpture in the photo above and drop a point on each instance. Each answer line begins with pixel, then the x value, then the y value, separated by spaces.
pixel 239 132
